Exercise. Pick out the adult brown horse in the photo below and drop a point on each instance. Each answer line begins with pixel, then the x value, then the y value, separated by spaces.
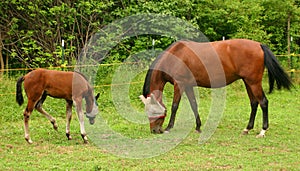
pixel 186 64
pixel 71 86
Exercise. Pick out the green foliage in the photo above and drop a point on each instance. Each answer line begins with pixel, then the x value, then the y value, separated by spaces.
pixel 31 31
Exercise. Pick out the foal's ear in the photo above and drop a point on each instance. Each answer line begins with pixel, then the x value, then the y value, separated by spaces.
pixel 97 96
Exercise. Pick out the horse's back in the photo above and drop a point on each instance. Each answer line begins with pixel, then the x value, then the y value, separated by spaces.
pixel 214 64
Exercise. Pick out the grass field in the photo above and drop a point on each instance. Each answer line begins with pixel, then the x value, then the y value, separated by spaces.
pixel 225 150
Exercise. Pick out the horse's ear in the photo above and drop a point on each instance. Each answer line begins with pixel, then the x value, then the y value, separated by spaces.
pixel 97 96
pixel 153 99
pixel 143 99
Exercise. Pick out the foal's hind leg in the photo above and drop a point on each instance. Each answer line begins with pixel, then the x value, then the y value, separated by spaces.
pixel 68 118
pixel 40 109
pixel 27 113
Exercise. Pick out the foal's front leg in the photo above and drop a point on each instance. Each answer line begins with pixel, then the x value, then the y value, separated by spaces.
pixel 68 118
pixel 78 104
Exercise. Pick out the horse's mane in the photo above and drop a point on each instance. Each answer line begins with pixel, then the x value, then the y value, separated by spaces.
pixel 146 87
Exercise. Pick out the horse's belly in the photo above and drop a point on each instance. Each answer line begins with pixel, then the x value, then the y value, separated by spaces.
pixel 216 81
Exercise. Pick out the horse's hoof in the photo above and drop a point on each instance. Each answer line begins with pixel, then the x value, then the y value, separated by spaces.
pixel 198 131
pixel 260 136
pixel 166 132
pixel 86 142
pixel 245 132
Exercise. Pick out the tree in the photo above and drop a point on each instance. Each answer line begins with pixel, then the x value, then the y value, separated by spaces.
pixel 31 31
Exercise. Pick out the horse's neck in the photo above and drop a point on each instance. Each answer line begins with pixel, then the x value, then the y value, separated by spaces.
pixel 157 85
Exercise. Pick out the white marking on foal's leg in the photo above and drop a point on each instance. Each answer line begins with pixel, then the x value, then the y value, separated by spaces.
pixel 26 127
pixel 261 134
pixel 27 138
pixel 68 120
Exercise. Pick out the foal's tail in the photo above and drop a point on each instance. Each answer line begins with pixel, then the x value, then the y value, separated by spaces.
pixel 275 71
pixel 19 95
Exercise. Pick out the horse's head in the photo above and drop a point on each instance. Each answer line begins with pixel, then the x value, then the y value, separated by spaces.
pixel 156 113
pixel 91 115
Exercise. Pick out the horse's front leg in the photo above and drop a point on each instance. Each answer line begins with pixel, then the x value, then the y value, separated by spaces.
pixel 68 118
pixel 191 96
pixel 175 104
pixel 78 103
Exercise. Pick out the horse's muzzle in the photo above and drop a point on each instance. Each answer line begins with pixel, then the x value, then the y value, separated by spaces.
pixel 157 130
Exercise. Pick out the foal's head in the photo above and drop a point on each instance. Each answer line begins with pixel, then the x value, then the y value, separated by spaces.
pixel 92 109
pixel 156 113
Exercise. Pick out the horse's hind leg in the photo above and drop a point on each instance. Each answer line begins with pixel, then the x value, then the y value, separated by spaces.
pixel 40 109
pixel 68 118
pixel 264 106
pixel 254 105
pixel 258 97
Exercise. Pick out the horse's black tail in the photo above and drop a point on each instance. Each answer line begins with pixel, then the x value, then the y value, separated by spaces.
pixel 275 71
pixel 19 95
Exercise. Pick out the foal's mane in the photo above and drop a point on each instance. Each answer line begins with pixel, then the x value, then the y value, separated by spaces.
pixel 81 75
pixel 90 90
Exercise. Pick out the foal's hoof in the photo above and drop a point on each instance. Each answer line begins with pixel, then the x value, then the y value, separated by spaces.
pixel 29 141
pixel 54 125
pixel 166 132
pixel 86 142
pixel 69 136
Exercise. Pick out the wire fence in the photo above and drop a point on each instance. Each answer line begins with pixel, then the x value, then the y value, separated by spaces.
pixel 291 63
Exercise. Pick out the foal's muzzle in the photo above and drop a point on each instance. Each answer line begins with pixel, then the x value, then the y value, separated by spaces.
pixel 91 119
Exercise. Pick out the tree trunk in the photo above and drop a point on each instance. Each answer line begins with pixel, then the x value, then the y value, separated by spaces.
pixel 1 59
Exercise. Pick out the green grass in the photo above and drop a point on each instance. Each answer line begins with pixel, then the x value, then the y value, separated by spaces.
pixel 225 150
